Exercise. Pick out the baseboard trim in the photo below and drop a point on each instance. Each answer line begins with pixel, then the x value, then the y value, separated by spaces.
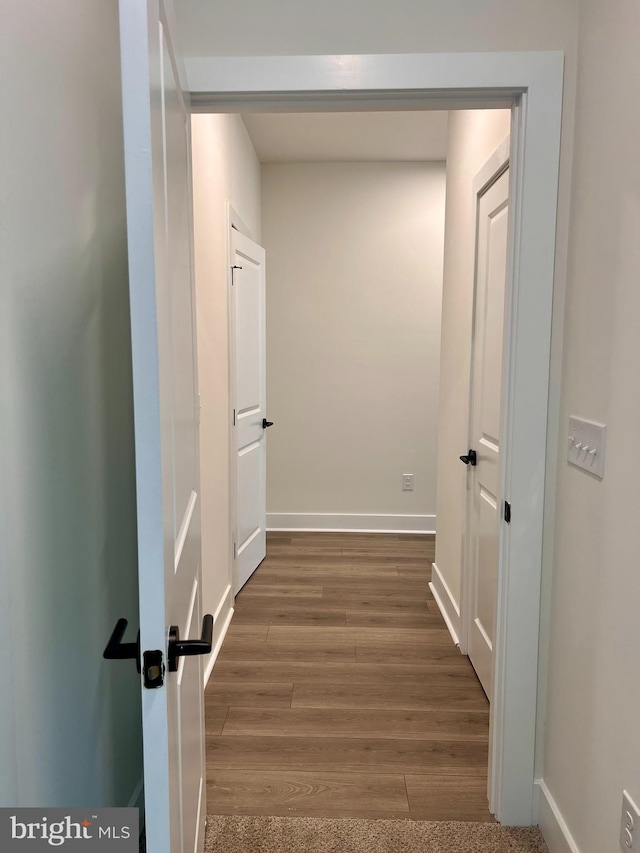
pixel 222 634
pixel 446 602
pixel 350 523
pixel 552 824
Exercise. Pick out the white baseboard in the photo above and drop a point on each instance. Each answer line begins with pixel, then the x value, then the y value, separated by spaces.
pixel 221 634
pixel 446 602
pixel 552 824
pixel 350 523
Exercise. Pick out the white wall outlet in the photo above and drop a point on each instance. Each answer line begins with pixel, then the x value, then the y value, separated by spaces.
pixel 629 825
pixel 407 482
pixel 585 445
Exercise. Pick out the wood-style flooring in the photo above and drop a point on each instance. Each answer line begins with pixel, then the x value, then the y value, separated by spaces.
pixel 339 693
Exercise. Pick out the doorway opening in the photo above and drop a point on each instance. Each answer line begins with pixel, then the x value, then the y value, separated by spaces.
pixel 354 253
pixel 293 84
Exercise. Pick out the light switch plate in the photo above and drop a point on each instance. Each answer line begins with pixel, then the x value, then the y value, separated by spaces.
pixel 585 444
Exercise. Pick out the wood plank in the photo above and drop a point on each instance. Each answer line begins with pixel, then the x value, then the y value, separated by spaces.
pixel 441 650
pixel 370 597
pixel 445 797
pixel 287 613
pixel 416 573
pixel 381 755
pixel 391 618
pixel 295 616
pixel 306 794
pixel 284 591
pixel 375 592
pixel 362 556
pixel 300 551
pixel 312 575
pixel 371 549
pixel 430 692
pixel 340 537
pixel 417 636
pixel 251 633
pixel 338 650
pixel 215 718
pixel 253 694
pixel 321 722
pixel 342 672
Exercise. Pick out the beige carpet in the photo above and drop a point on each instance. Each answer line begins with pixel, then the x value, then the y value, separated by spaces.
pixel 322 835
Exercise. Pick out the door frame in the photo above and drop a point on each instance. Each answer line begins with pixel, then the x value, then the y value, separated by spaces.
pixel 530 84
pixel 234 223
pixel 497 163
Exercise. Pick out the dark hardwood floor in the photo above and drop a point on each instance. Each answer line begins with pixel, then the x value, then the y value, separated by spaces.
pixel 338 691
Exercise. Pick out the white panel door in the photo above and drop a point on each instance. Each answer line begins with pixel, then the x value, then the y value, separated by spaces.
pixel 249 415
pixel 158 197
pixel 486 391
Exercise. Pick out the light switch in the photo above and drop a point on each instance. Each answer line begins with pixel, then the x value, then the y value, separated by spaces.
pixel 586 445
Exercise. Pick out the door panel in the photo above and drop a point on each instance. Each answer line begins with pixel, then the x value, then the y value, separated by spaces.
pixel 486 392
pixel 158 195
pixel 248 321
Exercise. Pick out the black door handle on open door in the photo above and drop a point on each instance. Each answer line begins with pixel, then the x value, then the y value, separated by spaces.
pixel 117 650
pixel 266 424
pixel 470 459
pixel 184 648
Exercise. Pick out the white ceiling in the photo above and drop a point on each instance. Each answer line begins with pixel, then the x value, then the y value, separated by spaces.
pixel 312 137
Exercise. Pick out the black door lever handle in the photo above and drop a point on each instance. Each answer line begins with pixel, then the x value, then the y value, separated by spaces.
pixel 266 424
pixel 117 650
pixel 185 648
pixel 470 459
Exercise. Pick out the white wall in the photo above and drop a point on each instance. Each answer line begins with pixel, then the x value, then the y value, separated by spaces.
pixel 68 540
pixel 225 169
pixel 354 284
pixel 592 741
pixel 281 27
pixel 473 137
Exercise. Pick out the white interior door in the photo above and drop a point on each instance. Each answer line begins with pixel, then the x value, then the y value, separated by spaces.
pixel 484 508
pixel 249 414
pixel 158 194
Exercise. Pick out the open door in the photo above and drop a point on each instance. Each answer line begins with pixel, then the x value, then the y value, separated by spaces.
pixel 249 415
pixel 484 459
pixel 158 197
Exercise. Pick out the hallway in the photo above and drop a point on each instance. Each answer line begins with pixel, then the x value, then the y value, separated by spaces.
pixel 338 691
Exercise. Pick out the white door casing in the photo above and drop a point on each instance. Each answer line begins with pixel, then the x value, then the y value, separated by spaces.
pixel 249 402
pixel 158 199
pixel 531 84
pixel 484 505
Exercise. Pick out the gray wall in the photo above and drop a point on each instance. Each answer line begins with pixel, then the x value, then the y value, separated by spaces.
pixel 67 465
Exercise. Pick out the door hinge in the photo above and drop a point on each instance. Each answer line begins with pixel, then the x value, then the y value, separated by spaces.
pixel 234 267
pixel 234 417
pixel 153 669
pixel 235 551
pixel 507 512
